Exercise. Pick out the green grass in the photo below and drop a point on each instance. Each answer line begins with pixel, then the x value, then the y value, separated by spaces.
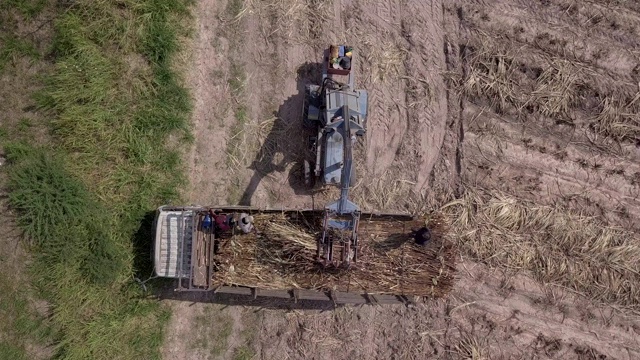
pixel 211 331
pixel 13 47
pixel 235 145
pixel 114 102
pixel 243 353
pixel 24 124
pixel 21 323
pixel 9 350
pixel 27 8
pixel 234 7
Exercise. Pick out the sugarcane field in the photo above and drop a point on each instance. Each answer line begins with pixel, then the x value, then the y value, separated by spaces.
pixel 311 179
pixel 513 122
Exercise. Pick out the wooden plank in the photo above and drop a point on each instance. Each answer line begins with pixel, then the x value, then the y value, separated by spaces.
pixel 304 294
pixel 212 239
pixel 199 259
pixel 181 237
pixel 282 294
pixel 233 290
pixel 388 299
pixel 349 298
pixel 339 298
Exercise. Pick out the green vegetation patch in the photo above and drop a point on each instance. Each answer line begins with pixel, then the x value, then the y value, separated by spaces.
pixel 26 8
pixel 20 322
pixel 119 115
pixel 210 332
pixel 12 47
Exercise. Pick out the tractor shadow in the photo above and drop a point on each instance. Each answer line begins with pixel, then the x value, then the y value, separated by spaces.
pixel 287 141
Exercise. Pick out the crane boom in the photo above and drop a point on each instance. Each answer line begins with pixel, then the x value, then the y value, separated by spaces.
pixel 344 206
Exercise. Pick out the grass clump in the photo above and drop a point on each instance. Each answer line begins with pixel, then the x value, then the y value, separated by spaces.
pixel 28 8
pixel 243 353
pixel 618 117
pixel 10 350
pixel 235 8
pixel 115 104
pixel 553 244
pixel 13 44
pixel 21 323
pixel 13 47
pixel 43 192
pixel 209 340
pixel 81 264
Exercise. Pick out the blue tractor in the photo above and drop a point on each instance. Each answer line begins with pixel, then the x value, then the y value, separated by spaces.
pixel 338 112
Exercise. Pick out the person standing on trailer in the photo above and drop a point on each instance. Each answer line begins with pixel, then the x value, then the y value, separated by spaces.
pixel 422 236
pixel 245 223
pixel 222 222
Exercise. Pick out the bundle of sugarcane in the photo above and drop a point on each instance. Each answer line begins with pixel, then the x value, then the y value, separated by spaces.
pixel 282 256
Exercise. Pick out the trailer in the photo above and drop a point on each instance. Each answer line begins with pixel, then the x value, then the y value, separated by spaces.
pixel 278 259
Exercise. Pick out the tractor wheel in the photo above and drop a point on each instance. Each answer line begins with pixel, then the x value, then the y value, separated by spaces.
pixel 311 99
pixel 307 173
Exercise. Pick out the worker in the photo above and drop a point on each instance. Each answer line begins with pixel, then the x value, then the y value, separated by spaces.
pixel 245 223
pixel 345 62
pixel 222 222
pixel 422 236
pixel 206 223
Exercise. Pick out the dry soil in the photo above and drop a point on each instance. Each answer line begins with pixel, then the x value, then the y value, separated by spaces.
pixel 534 100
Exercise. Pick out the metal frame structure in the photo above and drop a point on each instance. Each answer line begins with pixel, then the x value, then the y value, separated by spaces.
pixel 186 258
pixel 339 112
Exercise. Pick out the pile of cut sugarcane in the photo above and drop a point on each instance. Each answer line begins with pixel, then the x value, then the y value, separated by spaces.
pixel 282 255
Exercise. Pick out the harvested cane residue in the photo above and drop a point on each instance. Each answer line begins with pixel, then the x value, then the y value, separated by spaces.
pixel 282 255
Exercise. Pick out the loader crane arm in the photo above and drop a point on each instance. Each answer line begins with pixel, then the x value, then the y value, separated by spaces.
pixel 338 112
pixel 342 217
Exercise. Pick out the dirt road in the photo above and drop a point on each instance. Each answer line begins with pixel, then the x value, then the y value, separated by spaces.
pixel 524 101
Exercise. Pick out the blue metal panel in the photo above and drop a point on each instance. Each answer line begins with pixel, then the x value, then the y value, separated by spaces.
pixel 334 154
pixel 340 224
pixel 363 103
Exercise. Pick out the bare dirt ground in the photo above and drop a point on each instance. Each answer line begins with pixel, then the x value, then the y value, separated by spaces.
pixel 21 312
pixel 525 102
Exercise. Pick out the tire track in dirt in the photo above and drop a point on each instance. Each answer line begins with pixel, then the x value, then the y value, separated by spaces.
pixel 543 179
pixel 540 321
pixel 550 178
pixel 402 68
pixel 496 316
pixel 235 338
pixel 276 141
pixel 568 33
pixel 379 75
pixel 427 95
pixel 535 158
pixel 456 56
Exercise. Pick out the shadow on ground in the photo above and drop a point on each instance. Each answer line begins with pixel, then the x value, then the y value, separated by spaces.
pixel 166 292
pixel 287 142
pixel 142 246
